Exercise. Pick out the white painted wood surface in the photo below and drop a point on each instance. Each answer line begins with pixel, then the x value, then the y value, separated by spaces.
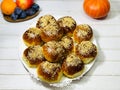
pixel 104 75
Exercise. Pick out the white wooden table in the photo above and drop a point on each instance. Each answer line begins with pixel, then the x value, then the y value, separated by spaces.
pixel 105 74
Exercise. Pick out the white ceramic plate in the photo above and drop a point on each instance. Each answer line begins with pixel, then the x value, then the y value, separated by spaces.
pixel 64 81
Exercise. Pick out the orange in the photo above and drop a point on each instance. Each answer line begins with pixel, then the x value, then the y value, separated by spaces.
pixel 8 0
pixel 8 7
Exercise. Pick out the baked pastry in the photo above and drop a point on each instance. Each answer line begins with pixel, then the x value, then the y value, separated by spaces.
pixel 45 20
pixel 83 32
pixel 68 24
pixel 50 30
pixel 87 51
pixel 32 37
pixel 53 51
pixel 72 66
pixel 67 42
pixel 49 72
pixel 33 56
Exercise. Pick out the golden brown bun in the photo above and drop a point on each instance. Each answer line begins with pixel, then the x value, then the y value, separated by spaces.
pixel 32 37
pixel 68 24
pixel 72 66
pixel 51 32
pixel 87 51
pixel 49 72
pixel 33 55
pixel 50 28
pixel 83 32
pixel 67 42
pixel 53 51
pixel 45 20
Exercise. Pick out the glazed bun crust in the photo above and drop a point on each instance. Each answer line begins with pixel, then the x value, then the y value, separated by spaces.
pixel 83 32
pixel 45 20
pixel 51 32
pixel 68 24
pixel 87 51
pixel 32 37
pixel 33 56
pixel 72 71
pixel 72 66
pixel 67 42
pixel 50 28
pixel 49 72
pixel 53 51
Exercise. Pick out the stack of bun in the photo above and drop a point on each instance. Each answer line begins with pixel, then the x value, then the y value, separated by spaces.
pixel 58 48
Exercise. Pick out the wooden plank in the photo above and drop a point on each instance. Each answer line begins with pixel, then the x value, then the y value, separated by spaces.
pixel 99 68
pixel 106 30
pixel 101 30
pixel 108 43
pixel 108 55
pixel 9 41
pixel 13 67
pixel 103 55
pixel 109 52
pixel 98 83
pixel 9 53
pixel 14 29
pixel 103 42
pixel 20 82
pixel 24 82
pixel 105 69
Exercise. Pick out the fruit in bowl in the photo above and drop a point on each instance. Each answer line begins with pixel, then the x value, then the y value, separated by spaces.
pixel 24 4
pixel 13 12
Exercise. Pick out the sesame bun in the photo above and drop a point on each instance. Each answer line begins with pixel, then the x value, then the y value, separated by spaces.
pixel 72 66
pixel 50 28
pixel 32 37
pixel 83 32
pixel 67 42
pixel 45 20
pixel 53 51
pixel 68 24
pixel 49 72
pixel 51 32
pixel 33 56
pixel 87 51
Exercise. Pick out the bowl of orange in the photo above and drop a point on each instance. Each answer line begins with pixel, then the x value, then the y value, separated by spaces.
pixel 10 10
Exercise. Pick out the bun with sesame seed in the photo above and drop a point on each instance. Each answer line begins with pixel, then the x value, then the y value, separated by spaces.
pixel 33 56
pixel 72 66
pixel 83 32
pixel 53 51
pixel 49 72
pixel 87 51
pixel 50 28
pixel 68 24
pixel 32 37
pixel 67 43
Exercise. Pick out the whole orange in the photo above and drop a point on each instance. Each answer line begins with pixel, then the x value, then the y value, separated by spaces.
pixel 8 7
pixel 8 0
